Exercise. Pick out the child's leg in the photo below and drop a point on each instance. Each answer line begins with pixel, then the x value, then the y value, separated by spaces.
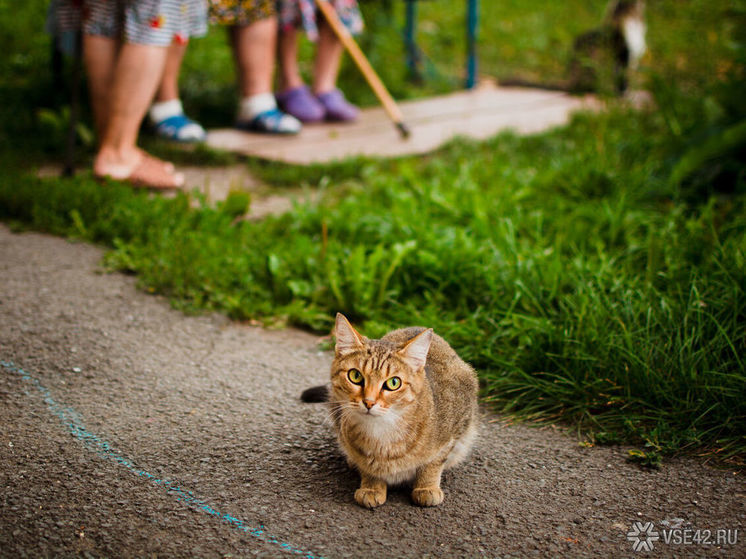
pixel 254 49
pixel 326 67
pixel 169 86
pixel 328 56
pixel 167 112
pixel 294 97
pixel 290 77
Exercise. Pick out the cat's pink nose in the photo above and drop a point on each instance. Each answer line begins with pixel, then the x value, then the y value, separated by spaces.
pixel 369 403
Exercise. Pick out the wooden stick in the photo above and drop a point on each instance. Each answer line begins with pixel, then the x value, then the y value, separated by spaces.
pixel 367 70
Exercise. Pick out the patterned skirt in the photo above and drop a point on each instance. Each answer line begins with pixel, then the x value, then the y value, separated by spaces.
pixel 302 14
pixel 240 12
pixel 145 22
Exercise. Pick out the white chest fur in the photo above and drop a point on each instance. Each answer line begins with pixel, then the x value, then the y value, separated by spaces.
pixel 633 30
pixel 383 428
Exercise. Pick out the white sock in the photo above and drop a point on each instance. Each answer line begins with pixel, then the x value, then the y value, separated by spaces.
pixel 166 109
pixel 250 107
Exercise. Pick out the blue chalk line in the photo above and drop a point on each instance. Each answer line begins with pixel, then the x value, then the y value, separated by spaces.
pixel 73 422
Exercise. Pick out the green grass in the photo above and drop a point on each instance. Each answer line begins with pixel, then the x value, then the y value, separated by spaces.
pixel 576 287
pixel 594 274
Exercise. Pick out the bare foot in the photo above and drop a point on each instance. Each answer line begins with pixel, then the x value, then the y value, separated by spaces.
pixel 138 168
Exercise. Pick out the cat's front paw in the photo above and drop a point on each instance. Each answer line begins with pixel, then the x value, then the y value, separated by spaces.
pixel 370 498
pixel 427 496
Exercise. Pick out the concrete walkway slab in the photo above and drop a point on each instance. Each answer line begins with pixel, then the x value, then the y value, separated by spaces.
pixel 479 114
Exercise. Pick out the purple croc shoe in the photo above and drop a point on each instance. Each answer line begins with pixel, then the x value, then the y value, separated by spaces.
pixel 301 103
pixel 337 108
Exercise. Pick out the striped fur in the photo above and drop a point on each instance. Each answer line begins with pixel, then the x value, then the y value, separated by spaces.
pixel 409 434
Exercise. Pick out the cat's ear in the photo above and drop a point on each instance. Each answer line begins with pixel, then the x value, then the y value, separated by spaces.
pixel 414 352
pixel 348 340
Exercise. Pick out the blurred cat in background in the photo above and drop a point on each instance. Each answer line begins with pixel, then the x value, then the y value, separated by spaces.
pixel 606 55
pixel 603 58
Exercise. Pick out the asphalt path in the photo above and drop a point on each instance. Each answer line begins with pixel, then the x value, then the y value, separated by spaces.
pixel 132 430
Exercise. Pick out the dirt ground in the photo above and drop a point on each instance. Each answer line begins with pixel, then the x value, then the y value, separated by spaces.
pixel 132 430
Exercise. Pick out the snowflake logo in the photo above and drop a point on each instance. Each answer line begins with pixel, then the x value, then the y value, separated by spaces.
pixel 642 536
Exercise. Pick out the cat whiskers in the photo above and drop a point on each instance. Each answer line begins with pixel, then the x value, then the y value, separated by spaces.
pixel 339 411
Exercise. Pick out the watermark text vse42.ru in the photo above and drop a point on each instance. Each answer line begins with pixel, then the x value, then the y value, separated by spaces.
pixel 644 536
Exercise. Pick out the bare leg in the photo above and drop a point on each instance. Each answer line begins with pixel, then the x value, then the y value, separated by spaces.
pixel 169 86
pixel 254 48
pixel 168 105
pixel 100 55
pixel 294 97
pixel 136 74
pixel 290 77
pixel 326 67
pixel 427 491
pixel 328 56
pixel 372 492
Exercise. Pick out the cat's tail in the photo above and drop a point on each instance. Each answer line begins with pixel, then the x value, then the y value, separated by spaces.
pixel 316 394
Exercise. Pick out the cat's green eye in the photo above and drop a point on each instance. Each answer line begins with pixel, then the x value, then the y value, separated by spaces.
pixel 355 376
pixel 394 383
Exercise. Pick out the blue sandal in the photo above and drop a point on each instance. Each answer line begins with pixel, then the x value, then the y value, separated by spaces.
pixel 180 128
pixel 273 121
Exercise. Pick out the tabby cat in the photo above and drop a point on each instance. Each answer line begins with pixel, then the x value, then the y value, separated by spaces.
pixel 404 408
